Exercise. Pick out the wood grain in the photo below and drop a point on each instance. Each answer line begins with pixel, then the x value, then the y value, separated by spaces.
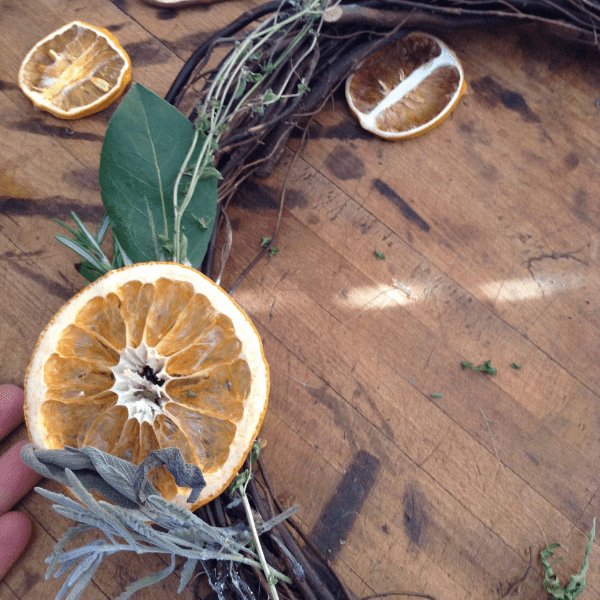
pixel 489 226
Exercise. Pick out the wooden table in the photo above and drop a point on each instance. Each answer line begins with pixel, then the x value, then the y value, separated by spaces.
pixel 490 227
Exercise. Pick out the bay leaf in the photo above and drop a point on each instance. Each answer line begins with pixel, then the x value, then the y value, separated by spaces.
pixel 145 145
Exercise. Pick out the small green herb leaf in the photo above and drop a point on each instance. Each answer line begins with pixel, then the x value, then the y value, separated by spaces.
pixel 515 366
pixel 273 251
pixel 191 394
pixel 269 97
pixel 436 395
pixel 379 255
pixel 201 221
pixel 486 367
pixel 265 241
pixel 256 447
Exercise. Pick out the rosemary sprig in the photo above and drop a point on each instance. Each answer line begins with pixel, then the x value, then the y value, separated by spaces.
pixel 86 245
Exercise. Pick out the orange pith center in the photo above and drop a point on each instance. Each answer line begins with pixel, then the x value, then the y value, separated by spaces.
pixel 146 367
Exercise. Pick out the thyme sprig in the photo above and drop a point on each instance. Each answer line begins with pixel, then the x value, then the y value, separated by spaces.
pixel 240 483
pixel 233 88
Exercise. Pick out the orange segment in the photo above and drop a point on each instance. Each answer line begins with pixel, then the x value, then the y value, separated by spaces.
pixel 68 422
pixel 170 299
pixel 102 317
pixel 209 436
pixel 72 378
pixel 77 342
pixel 75 71
pixel 147 357
pixel 406 88
pixel 136 300
pixel 197 317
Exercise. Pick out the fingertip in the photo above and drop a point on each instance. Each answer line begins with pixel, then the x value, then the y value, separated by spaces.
pixel 11 408
pixel 16 478
pixel 15 531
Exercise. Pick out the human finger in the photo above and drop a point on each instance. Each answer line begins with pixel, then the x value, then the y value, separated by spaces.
pixel 11 408
pixel 16 478
pixel 15 531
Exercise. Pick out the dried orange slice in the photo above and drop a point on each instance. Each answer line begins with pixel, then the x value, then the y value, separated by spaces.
pixel 76 71
pixel 151 356
pixel 407 88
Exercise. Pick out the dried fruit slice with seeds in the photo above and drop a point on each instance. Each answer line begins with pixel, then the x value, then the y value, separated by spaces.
pixel 76 71
pixel 151 356
pixel 407 88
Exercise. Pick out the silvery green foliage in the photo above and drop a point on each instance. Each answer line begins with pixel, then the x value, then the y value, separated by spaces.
pixel 127 520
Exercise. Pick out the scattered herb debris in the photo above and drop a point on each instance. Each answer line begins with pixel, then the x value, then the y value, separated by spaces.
pixel 201 223
pixel 379 255
pixel 436 395
pixel 191 394
pixel 515 366
pixel 486 367
pixel 576 583
pixel 265 241
pixel 273 251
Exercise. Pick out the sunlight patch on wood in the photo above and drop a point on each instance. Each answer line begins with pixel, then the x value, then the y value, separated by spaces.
pixel 376 297
pixel 527 288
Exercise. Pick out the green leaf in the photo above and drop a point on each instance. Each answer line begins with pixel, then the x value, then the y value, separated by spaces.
pixel 379 255
pixel 145 146
pixel 254 452
pixel 577 582
pixel 270 96
pixel 486 367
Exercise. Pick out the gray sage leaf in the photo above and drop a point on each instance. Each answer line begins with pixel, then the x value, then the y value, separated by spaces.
pixel 185 474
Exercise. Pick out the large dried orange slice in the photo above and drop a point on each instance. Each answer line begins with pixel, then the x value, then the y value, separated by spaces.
pixel 407 88
pixel 76 71
pixel 151 356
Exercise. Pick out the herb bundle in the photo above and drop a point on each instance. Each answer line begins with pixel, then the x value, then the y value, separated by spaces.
pixel 325 46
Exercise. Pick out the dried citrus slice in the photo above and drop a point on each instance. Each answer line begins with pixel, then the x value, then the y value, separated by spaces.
pixel 76 71
pixel 406 88
pixel 151 356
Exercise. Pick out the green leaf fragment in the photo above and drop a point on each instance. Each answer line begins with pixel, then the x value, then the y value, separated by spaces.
pixel 486 367
pixel 515 366
pixel 265 241
pixel 273 251
pixel 436 395
pixel 269 97
pixel 379 255
pixel 256 447
pixel 577 582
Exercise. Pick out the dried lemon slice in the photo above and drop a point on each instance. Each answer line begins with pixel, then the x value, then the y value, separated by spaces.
pixel 147 357
pixel 407 88
pixel 76 71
